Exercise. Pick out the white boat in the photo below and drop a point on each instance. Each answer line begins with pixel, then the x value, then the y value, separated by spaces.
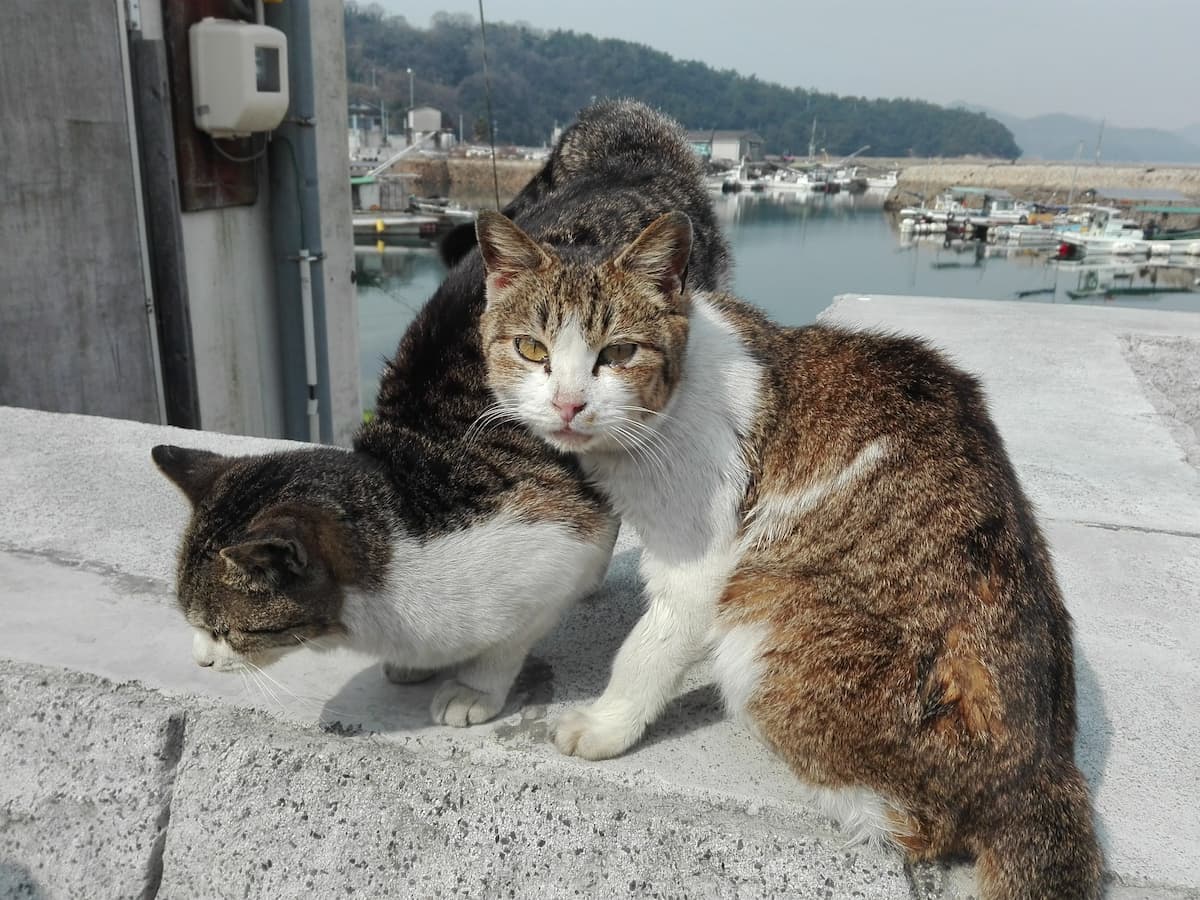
pixel 945 206
pixel 786 181
pixel 1005 210
pixel 741 179
pixel 1106 233
pixel 1022 235
pixel 883 182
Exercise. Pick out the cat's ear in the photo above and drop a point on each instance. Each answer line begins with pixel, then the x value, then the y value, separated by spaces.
pixel 193 471
pixel 661 252
pixel 268 561
pixel 506 249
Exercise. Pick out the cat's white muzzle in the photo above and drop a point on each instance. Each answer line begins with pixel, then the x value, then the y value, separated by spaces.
pixel 215 653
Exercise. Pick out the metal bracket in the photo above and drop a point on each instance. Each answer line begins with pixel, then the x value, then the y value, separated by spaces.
pixel 133 15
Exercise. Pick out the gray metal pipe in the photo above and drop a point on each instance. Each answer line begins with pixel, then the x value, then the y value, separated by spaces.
pixel 296 236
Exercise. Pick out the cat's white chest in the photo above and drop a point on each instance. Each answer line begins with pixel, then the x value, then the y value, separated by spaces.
pixel 682 492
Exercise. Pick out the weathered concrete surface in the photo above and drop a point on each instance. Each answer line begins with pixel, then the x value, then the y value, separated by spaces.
pixel 85 786
pixel 87 534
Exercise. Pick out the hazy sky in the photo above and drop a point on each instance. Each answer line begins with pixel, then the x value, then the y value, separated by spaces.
pixel 1133 62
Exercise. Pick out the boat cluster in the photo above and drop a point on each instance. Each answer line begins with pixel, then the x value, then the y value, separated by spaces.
pixel 815 179
pixel 1109 246
pixel 1072 232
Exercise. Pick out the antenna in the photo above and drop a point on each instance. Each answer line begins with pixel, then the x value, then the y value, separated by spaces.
pixel 487 89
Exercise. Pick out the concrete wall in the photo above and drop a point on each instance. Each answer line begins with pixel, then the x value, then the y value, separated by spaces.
pixel 231 287
pixel 231 282
pixel 74 331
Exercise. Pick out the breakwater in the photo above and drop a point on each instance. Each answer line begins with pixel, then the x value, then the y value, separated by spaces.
pixel 1041 182
pixel 469 180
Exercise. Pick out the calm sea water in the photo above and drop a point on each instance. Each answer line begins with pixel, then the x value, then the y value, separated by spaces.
pixel 793 255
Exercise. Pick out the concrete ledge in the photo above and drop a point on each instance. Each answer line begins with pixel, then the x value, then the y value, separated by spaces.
pixel 337 780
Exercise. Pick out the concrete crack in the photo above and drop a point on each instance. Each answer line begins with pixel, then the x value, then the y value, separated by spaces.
pixel 1138 528
pixel 169 755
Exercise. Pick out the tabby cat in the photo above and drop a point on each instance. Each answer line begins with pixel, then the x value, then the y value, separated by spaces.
pixel 450 537
pixel 833 516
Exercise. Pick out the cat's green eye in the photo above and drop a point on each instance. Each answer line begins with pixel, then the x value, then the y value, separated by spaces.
pixel 615 354
pixel 534 351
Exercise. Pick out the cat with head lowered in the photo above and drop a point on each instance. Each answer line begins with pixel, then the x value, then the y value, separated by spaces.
pixel 831 516
pixel 450 538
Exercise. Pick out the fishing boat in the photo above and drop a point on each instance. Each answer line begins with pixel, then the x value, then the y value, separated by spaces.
pixel 884 182
pixel 741 179
pixel 1106 233
pixel 786 181
pixel 1159 230
pixel 946 206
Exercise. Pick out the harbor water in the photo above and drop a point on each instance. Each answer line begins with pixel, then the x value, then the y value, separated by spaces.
pixel 793 253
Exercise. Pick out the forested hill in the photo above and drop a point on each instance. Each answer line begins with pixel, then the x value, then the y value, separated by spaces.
pixel 539 78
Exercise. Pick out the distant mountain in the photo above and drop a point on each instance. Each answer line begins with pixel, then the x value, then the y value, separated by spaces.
pixel 542 78
pixel 1056 136
pixel 1191 133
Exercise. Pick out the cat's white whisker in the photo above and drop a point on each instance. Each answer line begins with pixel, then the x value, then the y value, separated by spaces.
pixel 616 436
pixel 268 695
pixel 497 412
pixel 666 417
pixel 304 700
pixel 649 442
pixel 638 452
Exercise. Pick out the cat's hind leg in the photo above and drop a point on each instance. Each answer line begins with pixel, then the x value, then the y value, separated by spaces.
pixel 739 658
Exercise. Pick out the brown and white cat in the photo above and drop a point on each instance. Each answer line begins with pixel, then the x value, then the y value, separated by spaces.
pixel 833 516
pixel 450 538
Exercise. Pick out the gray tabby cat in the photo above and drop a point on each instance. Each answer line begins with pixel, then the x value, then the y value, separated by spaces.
pixel 450 538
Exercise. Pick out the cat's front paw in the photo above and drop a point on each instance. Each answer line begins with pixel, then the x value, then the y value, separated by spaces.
pixel 596 733
pixel 459 705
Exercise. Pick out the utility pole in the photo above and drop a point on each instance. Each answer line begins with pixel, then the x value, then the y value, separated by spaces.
pixel 410 106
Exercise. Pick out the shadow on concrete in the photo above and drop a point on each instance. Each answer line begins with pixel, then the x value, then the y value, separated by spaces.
pixel 698 708
pixel 1094 740
pixel 368 702
pixel 17 883
pixel 574 660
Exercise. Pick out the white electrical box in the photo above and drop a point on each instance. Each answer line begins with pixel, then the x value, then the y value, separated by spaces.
pixel 239 77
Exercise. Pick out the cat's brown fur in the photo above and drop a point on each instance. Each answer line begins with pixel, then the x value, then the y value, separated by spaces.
pixel 909 634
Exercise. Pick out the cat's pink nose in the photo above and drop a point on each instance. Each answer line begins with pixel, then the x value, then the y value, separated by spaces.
pixel 568 409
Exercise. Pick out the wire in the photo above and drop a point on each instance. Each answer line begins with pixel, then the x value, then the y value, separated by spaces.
pixel 242 159
pixel 487 89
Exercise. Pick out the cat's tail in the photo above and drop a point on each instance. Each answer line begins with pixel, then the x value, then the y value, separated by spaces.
pixel 1042 845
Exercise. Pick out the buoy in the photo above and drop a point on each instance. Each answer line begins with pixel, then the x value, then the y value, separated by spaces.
pixel 379 226
pixel 1160 248
pixel 1193 249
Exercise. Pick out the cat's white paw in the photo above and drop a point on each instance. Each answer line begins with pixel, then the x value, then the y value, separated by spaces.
pixel 459 705
pixel 398 674
pixel 596 733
